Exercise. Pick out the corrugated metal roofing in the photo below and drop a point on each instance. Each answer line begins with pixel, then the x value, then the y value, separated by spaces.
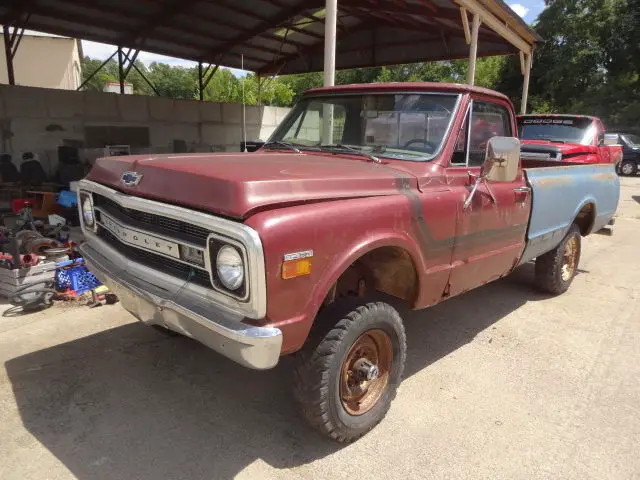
pixel 275 36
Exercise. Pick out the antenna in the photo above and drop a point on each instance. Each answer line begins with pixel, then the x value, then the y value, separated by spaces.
pixel 244 117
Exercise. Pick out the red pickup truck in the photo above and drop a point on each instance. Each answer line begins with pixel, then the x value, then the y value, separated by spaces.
pixel 364 192
pixel 570 138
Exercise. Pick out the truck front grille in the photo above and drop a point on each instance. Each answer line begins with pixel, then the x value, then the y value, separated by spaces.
pixel 157 262
pixel 166 226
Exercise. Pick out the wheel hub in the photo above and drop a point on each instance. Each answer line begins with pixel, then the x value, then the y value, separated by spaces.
pixel 365 371
pixel 570 259
pixel 627 169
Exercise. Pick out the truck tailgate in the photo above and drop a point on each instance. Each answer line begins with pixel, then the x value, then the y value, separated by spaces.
pixel 558 195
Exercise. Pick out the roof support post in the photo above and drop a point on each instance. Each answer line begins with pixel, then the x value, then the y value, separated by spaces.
pixel 473 51
pixel 525 86
pixel 8 54
pixel 330 21
pixel 120 70
pixel 200 85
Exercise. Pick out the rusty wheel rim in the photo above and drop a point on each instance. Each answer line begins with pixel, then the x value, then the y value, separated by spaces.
pixel 570 259
pixel 365 372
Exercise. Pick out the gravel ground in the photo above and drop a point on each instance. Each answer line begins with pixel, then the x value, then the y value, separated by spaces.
pixel 501 383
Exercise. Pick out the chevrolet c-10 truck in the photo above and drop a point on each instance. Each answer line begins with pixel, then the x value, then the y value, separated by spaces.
pixel 363 193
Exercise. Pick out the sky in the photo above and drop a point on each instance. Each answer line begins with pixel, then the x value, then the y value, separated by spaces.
pixel 527 9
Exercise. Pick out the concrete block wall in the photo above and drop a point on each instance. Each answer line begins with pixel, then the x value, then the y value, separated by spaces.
pixel 39 120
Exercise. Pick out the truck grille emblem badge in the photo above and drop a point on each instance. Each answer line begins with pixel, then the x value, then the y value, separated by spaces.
pixel 131 179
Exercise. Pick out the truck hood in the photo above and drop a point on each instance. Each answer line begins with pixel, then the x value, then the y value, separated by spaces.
pixel 237 184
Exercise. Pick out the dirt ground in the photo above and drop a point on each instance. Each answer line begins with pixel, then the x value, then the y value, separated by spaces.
pixel 500 383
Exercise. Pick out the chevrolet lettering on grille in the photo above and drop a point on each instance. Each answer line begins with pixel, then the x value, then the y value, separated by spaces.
pixel 140 239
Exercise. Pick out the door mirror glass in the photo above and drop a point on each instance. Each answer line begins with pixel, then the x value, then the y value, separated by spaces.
pixel 501 159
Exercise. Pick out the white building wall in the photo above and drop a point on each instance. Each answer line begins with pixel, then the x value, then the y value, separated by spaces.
pixel 47 62
pixel 39 120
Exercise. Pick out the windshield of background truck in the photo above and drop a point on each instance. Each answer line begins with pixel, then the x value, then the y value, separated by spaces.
pixel 633 140
pixel 408 126
pixel 558 129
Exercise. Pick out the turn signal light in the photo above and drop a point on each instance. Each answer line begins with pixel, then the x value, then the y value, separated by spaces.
pixel 296 268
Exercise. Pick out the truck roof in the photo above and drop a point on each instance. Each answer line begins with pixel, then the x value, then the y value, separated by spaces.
pixel 406 86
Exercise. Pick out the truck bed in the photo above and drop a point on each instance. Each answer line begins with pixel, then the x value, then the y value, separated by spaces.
pixel 559 192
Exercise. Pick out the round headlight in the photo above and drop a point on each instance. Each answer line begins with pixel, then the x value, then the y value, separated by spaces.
pixel 230 267
pixel 87 212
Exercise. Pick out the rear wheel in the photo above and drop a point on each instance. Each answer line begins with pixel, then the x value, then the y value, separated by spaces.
pixel 628 168
pixel 556 269
pixel 348 374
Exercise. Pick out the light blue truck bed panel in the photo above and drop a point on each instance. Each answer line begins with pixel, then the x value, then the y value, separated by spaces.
pixel 558 195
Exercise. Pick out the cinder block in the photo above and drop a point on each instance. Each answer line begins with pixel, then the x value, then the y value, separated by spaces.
pixel 266 132
pixel 281 112
pixel 269 116
pixel 98 105
pixel 231 113
pixel 253 115
pixel 133 108
pixel 161 109
pixel 64 104
pixel 162 135
pixel 25 102
pixel 187 111
pixel 213 134
pixel 211 112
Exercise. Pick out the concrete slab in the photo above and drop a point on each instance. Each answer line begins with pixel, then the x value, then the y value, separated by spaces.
pixel 211 112
pixel 99 106
pixel 24 102
pixel 63 104
pixel 500 383
pixel 187 111
pixel 231 113
pixel 133 108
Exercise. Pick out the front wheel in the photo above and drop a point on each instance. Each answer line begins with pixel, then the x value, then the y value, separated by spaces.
pixel 556 269
pixel 347 376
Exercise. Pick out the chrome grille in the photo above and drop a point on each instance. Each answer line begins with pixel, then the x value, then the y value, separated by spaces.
pixel 158 262
pixel 153 223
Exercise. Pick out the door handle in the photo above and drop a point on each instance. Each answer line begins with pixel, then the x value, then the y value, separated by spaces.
pixel 522 190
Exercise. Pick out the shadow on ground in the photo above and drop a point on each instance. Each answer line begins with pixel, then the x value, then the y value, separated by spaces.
pixel 131 403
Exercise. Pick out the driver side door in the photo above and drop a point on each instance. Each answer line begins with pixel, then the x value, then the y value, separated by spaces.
pixel 490 232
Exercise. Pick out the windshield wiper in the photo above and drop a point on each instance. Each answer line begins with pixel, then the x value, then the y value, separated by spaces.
pixel 339 146
pixel 283 144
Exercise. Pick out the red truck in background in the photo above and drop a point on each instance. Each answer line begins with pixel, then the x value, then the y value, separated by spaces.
pixel 567 138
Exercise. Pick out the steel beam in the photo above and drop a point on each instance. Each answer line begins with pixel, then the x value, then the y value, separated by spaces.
pixel 120 70
pixel 96 71
pixel 8 54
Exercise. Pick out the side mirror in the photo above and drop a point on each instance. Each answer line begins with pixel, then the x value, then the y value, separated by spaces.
pixel 500 165
pixel 501 159
pixel 611 139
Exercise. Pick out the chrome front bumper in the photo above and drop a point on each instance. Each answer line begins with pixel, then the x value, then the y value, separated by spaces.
pixel 177 307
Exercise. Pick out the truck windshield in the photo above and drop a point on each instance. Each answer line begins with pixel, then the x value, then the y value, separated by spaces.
pixel 407 126
pixel 633 140
pixel 558 129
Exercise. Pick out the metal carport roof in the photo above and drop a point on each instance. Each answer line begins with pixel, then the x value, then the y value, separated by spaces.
pixel 281 36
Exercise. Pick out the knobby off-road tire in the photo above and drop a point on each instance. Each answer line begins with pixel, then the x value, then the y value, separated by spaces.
pixel 347 340
pixel 555 270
